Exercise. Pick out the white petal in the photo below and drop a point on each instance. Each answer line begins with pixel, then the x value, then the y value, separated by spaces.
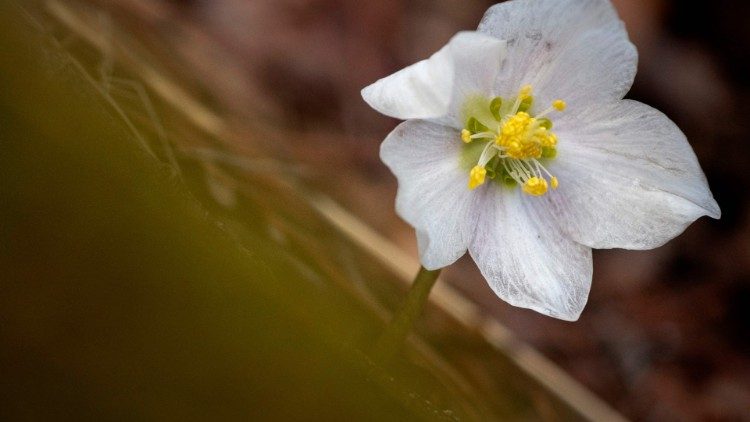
pixel 628 178
pixel 526 259
pixel 577 50
pixel 433 194
pixel 437 86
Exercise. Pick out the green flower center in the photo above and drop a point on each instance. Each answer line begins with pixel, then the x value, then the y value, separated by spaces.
pixel 506 143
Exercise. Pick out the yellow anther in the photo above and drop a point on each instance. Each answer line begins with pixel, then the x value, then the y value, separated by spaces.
pixel 535 186
pixel 517 148
pixel 525 92
pixel 476 177
pixel 521 138
pixel 552 140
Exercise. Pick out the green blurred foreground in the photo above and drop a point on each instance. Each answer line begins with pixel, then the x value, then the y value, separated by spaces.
pixel 123 298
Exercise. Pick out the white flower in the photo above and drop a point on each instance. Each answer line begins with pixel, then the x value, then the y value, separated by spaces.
pixel 491 159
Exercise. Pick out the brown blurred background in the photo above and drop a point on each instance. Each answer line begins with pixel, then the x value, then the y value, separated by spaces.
pixel 665 335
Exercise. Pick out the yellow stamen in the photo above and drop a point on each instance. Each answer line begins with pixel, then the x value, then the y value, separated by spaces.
pixel 515 147
pixel 525 92
pixel 535 186
pixel 522 137
pixel 476 177
pixel 550 141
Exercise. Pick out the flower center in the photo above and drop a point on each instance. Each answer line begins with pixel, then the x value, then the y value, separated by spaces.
pixel 506 143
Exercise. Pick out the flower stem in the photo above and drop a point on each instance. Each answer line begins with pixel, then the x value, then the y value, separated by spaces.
pixel 395 333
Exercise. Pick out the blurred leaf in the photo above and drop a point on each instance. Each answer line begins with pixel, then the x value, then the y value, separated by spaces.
pixel 129 294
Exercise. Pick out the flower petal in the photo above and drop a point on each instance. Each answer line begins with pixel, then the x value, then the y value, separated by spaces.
pixel 525 258
pixel 438 86
pixel 628 178
pixel 577 50
pixel 433 194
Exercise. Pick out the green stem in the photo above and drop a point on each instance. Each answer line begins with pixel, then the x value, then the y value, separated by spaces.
pixel 395 333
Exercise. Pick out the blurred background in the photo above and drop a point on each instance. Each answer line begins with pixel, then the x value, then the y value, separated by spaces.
pixel 665 334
